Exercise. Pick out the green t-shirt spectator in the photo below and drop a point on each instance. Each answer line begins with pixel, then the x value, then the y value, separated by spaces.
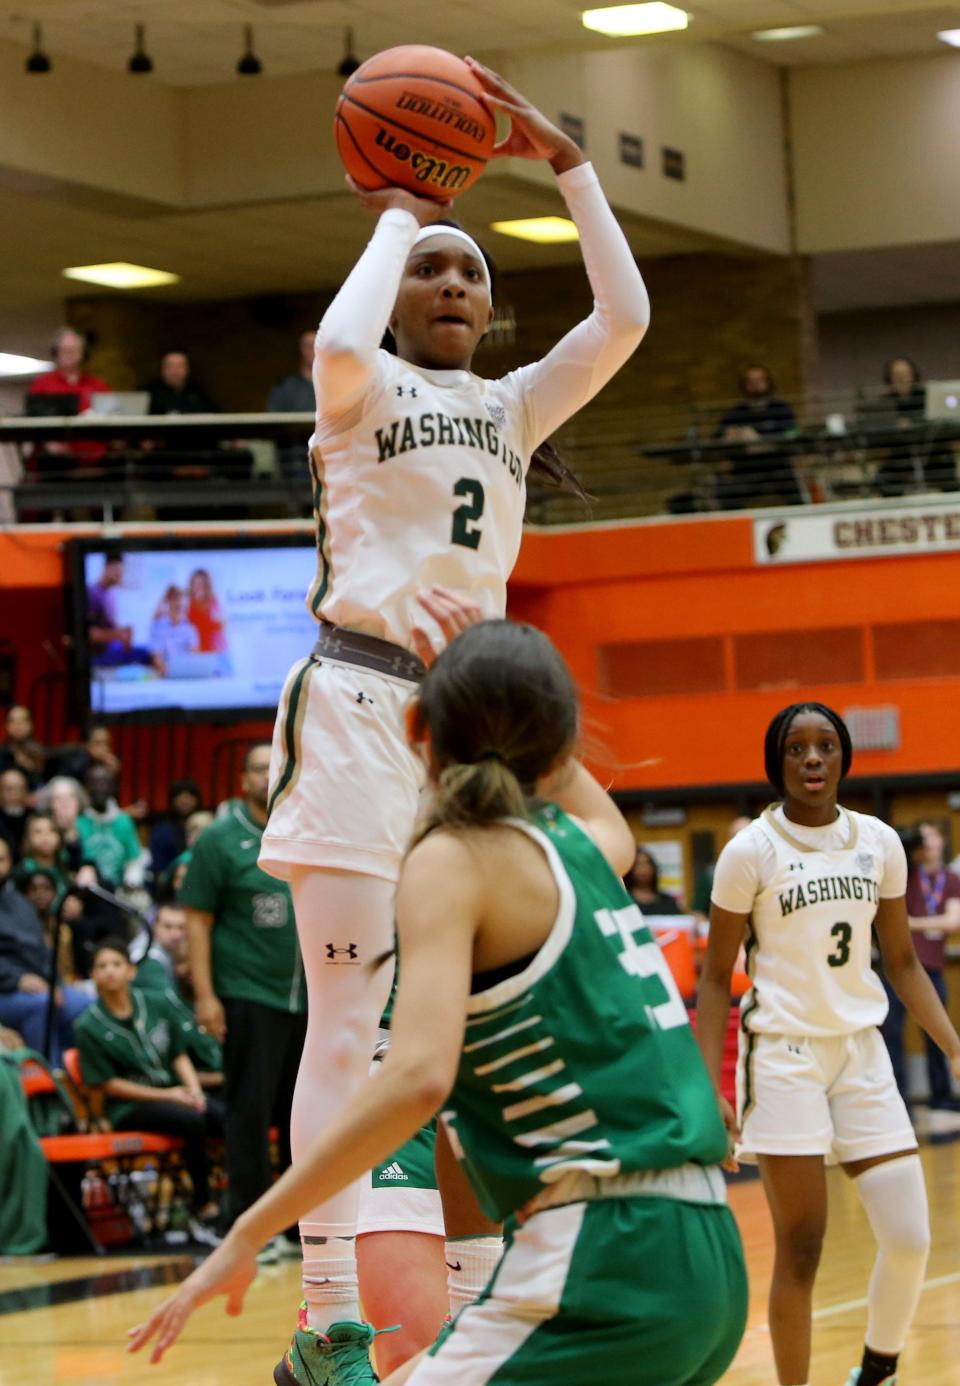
pixel 203 1049
pixel 141 1049
pixel 254 955
pixel 110 841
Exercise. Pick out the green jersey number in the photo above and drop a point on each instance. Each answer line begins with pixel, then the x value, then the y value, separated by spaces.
pixel 466 531
pixel 843 934
pixel 644 959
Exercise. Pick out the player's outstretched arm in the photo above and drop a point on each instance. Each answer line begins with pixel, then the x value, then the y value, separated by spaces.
pixel 906 974
pixel 576 791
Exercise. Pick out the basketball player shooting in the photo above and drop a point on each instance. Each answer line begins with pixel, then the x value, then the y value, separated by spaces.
pixel 419 477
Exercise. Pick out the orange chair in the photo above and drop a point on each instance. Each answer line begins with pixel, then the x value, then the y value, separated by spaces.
pixel 70 1153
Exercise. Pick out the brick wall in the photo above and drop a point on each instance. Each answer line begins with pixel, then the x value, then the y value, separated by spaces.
pixel 711 315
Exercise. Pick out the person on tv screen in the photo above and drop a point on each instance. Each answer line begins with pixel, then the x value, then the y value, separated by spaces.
pixel 205 612
pixel 171 634
pixel 111 644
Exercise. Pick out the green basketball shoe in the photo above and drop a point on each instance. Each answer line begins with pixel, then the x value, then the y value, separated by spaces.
pixel 340 1357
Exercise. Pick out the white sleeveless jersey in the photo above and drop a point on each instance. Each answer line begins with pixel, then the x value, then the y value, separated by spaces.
pixel 809 933
pixel 422 482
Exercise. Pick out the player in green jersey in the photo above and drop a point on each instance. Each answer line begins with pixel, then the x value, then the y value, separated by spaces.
pixel 536 1014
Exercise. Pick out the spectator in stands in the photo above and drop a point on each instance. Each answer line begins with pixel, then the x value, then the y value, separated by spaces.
pixel 110 643
pixel 175 390
pixel 248 981
pixel 915 465
pixel 168 838
pixel 21 749
pixel 73 762
pixel 643 883
pixel 933 908
pixel 132 1046
pixel 69 377
pixel 25 964
pixel 14 807
pixel 294 393
pixel 64 799
pixel 42 848
pixel 89 919
pixel 166 958
pixel 109 835
pixel 757 416
pixel 171 634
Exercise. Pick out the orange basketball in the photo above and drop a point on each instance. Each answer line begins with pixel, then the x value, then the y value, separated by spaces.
pixel 412 117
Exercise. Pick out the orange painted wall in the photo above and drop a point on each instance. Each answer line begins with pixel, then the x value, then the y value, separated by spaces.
pixel 592 586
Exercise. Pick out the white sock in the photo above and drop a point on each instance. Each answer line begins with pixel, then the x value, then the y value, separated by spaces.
pixel 470 1263
pixel 330 1281
pixel 895 1199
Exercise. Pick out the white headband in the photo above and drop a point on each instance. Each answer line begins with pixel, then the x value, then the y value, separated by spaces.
pixel 426 232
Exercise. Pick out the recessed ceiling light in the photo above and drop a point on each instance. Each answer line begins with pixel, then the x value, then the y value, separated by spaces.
pixel 627 21
pixel 796 31
pixel 951 36
pixel 13 365
pixel 121 275
pixel 543 230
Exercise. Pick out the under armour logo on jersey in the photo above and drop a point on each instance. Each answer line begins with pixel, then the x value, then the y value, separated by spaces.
pixel 348 954
pixel 402 390
pixel 797 865
pixel 362 698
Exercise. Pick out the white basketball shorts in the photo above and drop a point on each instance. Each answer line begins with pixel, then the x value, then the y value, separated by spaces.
pixel 344 784
pixel 834 1097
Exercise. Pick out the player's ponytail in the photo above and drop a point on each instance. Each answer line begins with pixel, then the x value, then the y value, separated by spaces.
pixel 498 711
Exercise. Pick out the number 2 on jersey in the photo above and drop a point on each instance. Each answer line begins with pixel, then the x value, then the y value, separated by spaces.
pixel 843 934
pixel 465 530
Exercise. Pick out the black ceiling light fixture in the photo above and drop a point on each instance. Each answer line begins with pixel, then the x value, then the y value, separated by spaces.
pixel 349 62
pixel 249 65
pixel 38 60
pixel 140 60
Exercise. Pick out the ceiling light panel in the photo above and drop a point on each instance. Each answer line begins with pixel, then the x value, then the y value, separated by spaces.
pixel 541 230
pixel 630 21
pixel 118 274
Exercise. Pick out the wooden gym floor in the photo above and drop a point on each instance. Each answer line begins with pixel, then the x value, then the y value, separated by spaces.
pixel 65 1322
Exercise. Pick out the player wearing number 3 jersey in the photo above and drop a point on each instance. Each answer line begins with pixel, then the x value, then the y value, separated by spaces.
pixel 805 884
pixel 419 475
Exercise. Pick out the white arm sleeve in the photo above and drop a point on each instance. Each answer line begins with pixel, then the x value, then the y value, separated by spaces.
pixel 894 881
pixel 736 878
pixel 588 356
pixel 348 340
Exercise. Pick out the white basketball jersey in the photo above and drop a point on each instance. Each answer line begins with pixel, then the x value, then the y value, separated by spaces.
pixel 423 482
pixel 809 935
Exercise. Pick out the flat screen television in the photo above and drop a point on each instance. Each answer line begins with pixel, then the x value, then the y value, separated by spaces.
pixel 207 625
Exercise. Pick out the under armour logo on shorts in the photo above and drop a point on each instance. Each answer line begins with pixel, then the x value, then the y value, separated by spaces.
pixel 348 954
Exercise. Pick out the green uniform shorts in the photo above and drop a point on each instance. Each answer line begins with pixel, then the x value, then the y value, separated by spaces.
pixel 632 1291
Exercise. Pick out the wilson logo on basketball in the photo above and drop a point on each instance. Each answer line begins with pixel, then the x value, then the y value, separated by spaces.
pixel 424 167
pixel 444 114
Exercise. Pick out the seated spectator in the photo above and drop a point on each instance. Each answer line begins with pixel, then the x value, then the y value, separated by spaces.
pixel 166 969
pixel 21 750
pixel 294 393
pixel 168 838
pixel 63 799
pixel 25 964
pixel 171 634
pixel 132 1046
pixel 89 919
pixel 175 390
pixel 111 644
pixel 70 377
pixel 109 835
pixel 168 885
pixel 758 415
pixel 40 886
pixel 72 762
pixel 42 848
pixel 916 465
pixel 14 807
pixel 643 883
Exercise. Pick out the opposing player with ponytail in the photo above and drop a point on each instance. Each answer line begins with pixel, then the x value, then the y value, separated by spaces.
pixel 536 1013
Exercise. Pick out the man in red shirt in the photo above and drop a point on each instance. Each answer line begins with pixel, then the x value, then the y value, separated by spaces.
pixel 933 905
pixel 69 377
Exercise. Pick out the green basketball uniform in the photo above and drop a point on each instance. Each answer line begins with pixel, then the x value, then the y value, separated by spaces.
pixel 582 1111
pixel 254 951
pixel 141 1048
